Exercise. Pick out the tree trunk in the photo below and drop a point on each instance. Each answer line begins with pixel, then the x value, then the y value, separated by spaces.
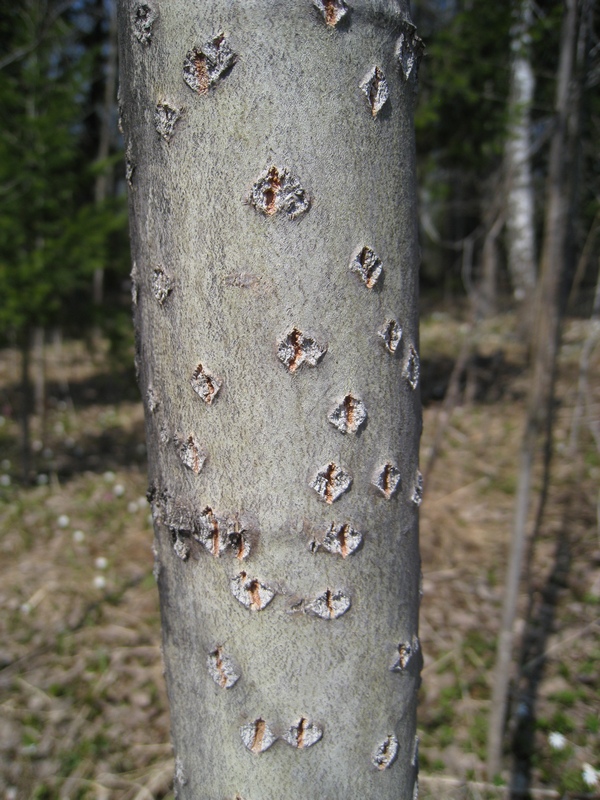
pixel 103 183
pixel 272 193
pixel 545 345
pixel 520 212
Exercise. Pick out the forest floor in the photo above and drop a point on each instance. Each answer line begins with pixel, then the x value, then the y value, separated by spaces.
pixel 83 709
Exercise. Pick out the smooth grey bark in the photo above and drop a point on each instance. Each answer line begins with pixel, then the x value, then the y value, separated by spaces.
pixel 274 240
pixel 520 209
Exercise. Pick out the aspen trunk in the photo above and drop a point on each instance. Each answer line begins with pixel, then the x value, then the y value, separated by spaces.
pixel 272 192
pixel 520 211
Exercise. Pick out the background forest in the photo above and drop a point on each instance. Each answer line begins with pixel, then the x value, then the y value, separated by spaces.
pixel 508 137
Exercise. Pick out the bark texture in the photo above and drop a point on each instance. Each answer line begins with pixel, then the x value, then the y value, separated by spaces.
pixel 271 168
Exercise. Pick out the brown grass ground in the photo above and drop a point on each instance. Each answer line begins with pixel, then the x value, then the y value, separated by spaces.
pixel 83 710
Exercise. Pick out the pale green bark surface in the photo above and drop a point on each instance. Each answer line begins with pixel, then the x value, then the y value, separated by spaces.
pixel 239 282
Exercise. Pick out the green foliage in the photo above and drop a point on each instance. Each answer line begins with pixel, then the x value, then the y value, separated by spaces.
pixel 52 233
pixel 464 87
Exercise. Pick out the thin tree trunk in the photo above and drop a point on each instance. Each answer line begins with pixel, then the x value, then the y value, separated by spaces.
pixel 272 188
pixel 25 408
pixel 546 337
pixel 520 212
pixel 104 179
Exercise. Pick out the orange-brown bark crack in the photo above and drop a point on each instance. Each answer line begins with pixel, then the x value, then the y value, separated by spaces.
pixel 259 732
pixel 272 191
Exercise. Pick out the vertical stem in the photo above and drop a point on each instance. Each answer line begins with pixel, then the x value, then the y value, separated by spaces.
pixel 25 409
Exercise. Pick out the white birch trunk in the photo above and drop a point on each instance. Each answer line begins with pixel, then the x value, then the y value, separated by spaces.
pixel 520 210
pixel 272 188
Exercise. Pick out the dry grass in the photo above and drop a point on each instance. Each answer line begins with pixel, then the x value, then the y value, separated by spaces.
pixel 83 710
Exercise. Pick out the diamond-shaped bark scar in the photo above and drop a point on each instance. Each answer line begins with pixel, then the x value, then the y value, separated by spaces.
pixel 297 349
pixel 331 482
pixel 278 190
pixel 203 66
pixel 367 265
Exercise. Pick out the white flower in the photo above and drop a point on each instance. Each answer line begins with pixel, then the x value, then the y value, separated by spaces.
pixel 62 521
pixel 42 479
pixel 4 480
pixel 557 741
pixel 5 463
pixel 99 581
pixel 119 490
pixel 590 775
pixel 78 536
pixel 26 608
pixel 101 562
pixel 109 476
pixel 132 507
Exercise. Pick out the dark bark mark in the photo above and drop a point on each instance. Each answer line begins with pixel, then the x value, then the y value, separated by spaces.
pixel 278 190
pixel 412 368
pixel 257 736
pixel 143 20
pixel 367 265
pixel 303 734
pixel 222 669
pixel 250 592
pixel 191 453
pixel 162 285
pixel 375 87
pixel 205 384
pixel 409 50
pixel 204 66
pixel 165 119
pixel 331 482
pixel 297 349
pixel 332 10
pixel 386 753
pixel 343 539
pixel 417 492
pixel 387 480
pixel 349 415
pixel 329 605
pixel 406 650
pixel 391 334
